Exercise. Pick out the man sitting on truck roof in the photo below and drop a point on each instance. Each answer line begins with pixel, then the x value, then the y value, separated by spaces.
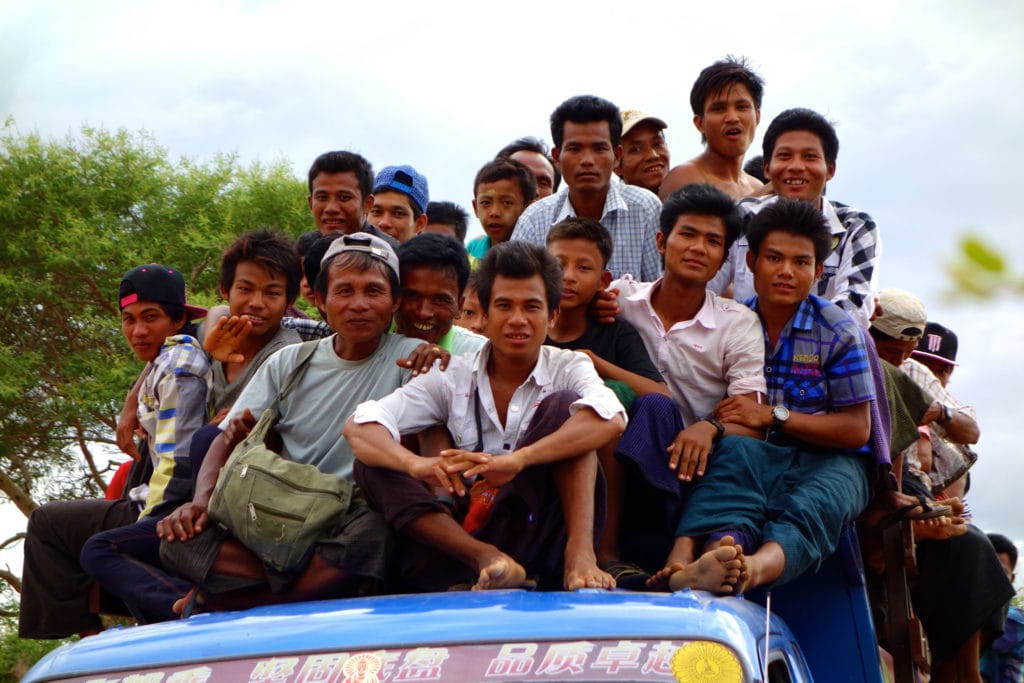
pixel 525 419
pixel 787 497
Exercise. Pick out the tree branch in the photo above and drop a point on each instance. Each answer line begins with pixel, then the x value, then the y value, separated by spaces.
pixel 20 536
pixel 83 445
pixel 12 580
pixel 18 496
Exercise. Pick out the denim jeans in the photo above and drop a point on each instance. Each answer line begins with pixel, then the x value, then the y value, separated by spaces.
pixel 126 562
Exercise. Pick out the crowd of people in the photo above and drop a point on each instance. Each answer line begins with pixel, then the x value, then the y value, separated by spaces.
pixel 640 376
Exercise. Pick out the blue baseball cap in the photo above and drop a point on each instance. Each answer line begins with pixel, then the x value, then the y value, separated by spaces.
pixel 407 180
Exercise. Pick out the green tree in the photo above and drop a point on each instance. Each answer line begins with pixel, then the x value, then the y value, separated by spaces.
pixel 978 270
pixel 75 214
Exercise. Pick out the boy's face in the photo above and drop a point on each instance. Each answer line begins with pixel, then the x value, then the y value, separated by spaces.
pixel 729 121
pixel 498 206
pixel 695 249
pixel 784 269
pixel 587 156
pixel 645 156
pixel 392 213
pixel 260 294
pixel 517 318
pixel 337 203
pixel 583 272
pixel 472 315
pixel 895 350
pixel 542 169
pixel 430 302
pixel 146 325
pixel 797 168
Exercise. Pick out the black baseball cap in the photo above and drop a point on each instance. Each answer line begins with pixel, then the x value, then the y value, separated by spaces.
pixel 157 283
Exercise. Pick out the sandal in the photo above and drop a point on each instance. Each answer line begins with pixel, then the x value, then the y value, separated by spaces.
pixel 627 575
pixel 928 511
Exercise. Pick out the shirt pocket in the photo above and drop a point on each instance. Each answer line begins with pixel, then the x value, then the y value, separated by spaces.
pixel 805 395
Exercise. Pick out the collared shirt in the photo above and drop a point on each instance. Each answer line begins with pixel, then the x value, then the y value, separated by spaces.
pixel 819 362
pixel 719 353
pixel 630 214
pixel 449 398
pixel 174 401
pixel 850 275
pixel 307 328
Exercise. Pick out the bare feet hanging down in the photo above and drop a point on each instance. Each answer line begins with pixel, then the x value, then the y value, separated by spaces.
pixel 718 570
pixel 499 571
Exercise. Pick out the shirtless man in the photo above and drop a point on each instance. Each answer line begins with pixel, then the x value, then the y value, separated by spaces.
pixel 726 102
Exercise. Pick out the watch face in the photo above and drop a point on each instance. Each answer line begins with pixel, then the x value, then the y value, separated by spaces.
pixel 780 413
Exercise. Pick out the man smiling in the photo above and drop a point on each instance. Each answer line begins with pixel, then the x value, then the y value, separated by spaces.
pixel 800 150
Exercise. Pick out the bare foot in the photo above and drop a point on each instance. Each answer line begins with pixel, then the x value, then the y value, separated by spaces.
pixel 718 570
pixel 500 571
pixel 584 573
pixel 659 581
pixel 180 605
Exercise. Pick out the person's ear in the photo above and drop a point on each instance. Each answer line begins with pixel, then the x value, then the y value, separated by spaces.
pixel 831 171
pixel 819 268
pixel 555 153
pixel 751 258
pixel 698 123
pixel 606 279
pixel 367 205
pixel 659 239
pixel 420 223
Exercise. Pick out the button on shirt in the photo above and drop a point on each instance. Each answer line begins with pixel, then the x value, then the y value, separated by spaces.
pixel 819 362
pixel 631 215
pixel 448 398
pixel 850 274
pixel 719 353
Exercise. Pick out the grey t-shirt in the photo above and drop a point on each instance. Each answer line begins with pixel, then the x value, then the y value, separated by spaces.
pixel 317 408
pixel 226 393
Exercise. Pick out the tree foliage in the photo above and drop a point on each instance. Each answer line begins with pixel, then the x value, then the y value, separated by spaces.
pixel 75 214
pixel 979 271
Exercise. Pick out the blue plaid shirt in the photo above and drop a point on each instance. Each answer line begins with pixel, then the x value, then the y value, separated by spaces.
pixel 631 215
pixel 820 362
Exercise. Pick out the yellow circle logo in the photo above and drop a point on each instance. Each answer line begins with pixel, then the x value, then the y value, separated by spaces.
pixel 704 662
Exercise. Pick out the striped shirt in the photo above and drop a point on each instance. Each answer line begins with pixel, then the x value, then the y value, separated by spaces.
pixel 631 215
pixel 174 401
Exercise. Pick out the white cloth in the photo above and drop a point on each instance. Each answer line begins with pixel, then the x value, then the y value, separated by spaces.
pixel 447 398
pixel 317 408
pixel 718 353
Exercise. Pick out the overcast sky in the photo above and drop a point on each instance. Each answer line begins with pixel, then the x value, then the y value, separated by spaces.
pixel 926 97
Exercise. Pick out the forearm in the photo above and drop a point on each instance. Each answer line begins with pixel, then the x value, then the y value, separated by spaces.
pixel 640 385
pixel 846 430
pixel 585 431
pixel 962 428
pixel 218 454
pixel 373 445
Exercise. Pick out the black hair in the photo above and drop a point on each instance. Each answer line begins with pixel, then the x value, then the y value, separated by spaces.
pixel 519 260
pixel 806 120
pixel 720 75
pixel 275 253
pixel 755 167
pixel 508 169
pixel 305 241
pixel 588 229
pixel 435 251
pixel 702 199
pixel 531 144
pixel 177 312
pixel 449 213
pixel 795 217
pixel 314 254
pixel 357 260
pixel 1005 546
pixel 585 109
pixel 344 162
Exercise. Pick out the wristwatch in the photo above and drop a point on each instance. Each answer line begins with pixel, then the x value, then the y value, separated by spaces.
pixel 947 414
pixel 779 416
pixel 719 428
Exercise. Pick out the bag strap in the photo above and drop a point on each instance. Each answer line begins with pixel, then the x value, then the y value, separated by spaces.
pixel 306 351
